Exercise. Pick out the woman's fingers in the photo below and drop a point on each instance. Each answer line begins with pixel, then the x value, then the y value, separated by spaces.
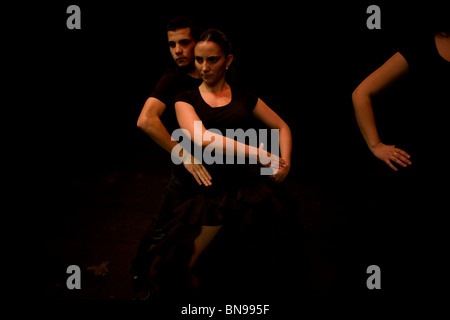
pixel 397 156
pixel 403 153
pixel 203 174
pixel 401 157
pixel 283 163
pixel 196 177
pixel 401 160
pixel 391 165
pixel 274 161
pixel 199 172
pixel 207 175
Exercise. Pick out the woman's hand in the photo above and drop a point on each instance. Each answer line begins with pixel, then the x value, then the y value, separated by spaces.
pixel 281 174
pixel 280 168
pixel 197 170
pixel 279 165
pixel 389 154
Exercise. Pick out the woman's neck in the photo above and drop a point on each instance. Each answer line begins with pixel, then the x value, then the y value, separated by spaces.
pixel 216 96
pixel 220 86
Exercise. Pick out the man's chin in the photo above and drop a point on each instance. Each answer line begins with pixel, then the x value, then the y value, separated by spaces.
pixel 185 66
pixel 182 62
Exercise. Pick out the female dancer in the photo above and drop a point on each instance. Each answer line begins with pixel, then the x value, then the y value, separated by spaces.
pixel 218 105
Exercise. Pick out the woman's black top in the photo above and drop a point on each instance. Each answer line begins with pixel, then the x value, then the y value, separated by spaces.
pixel 234 186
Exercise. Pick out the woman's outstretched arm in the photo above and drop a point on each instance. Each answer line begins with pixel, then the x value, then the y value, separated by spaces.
pixel 188 119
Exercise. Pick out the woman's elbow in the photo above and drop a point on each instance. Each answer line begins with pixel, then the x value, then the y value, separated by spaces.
pixel 139 122
pixel 284 127
pixel 359 94
pixel 356 93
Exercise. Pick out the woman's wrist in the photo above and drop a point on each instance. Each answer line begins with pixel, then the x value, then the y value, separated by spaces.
pixel 373 145
pixel 263 156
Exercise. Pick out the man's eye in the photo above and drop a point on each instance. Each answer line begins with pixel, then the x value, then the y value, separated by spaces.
pixel 199 60
pixel 184 42
pixel 172 44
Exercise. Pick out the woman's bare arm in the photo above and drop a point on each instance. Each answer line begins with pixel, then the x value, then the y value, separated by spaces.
pixel 392 70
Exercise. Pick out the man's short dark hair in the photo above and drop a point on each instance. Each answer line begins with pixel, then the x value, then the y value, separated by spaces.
pixel 181 22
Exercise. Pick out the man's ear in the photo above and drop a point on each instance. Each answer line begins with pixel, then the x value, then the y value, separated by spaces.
pixel 229 60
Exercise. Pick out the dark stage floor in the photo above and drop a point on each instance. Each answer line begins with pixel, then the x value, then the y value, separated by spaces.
pixel 99 218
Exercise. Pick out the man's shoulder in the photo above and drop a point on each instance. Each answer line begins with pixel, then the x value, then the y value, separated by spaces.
pixel 170 81
pixel 171 74
pixel 174 76
pixel 187 95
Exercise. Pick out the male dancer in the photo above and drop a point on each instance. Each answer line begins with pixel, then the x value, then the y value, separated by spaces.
pixel 182 34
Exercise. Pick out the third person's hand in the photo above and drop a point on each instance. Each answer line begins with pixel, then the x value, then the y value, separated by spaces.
pixel 391 154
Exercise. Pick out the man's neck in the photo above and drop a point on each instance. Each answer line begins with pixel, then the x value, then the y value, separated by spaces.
pixel 194 73
pixel 191 71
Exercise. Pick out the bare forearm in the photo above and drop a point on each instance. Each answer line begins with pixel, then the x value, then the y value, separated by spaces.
pixel 392 70
pixel 232 147
pixel 155 129
pixel 286 143
pixel 365 118
pixel 149 122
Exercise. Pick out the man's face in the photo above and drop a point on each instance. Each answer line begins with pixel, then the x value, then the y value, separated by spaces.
pixel 181 45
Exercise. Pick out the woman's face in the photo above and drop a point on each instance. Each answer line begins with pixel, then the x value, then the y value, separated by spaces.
pixel 211 62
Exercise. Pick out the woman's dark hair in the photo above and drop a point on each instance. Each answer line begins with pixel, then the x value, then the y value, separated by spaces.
pixel 217 37
pixel 182 22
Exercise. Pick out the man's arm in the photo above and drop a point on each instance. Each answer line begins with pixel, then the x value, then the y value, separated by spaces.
pixel 150 122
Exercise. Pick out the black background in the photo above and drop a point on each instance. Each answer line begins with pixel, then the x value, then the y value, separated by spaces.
pixel 80 91
pixel 74 96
